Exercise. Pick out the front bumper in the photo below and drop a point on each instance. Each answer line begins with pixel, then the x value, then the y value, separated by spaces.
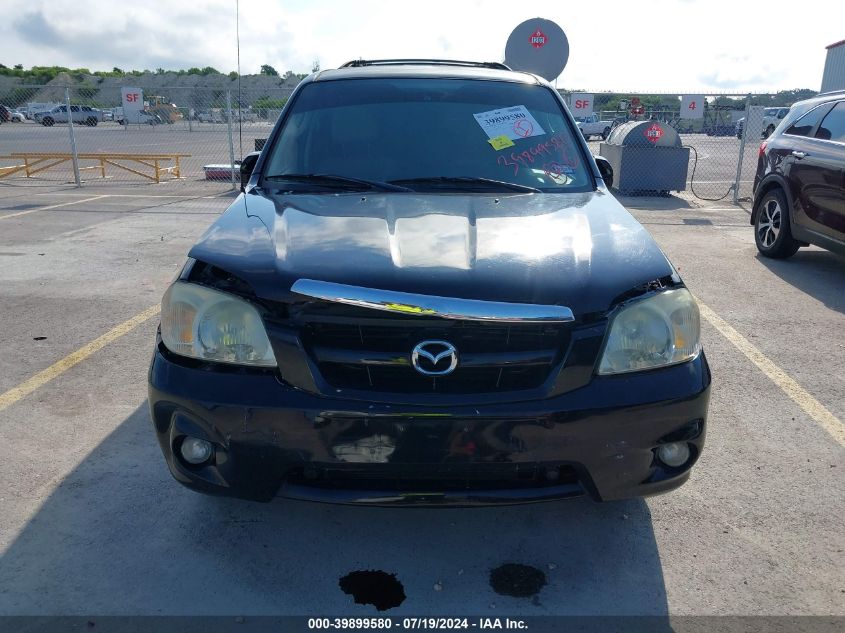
pixel 274 440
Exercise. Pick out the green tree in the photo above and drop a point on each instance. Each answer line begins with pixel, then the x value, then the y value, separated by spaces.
pixel 18 66
pixel 86 92
pixel 267 102
pixel 267 69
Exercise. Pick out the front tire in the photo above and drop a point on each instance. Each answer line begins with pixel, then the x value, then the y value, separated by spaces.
pixel 47 121
pixel 772 232
pixel 769 130
pixel 92 122
pixel 605 133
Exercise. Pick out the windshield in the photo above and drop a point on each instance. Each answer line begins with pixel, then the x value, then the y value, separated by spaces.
pixel 432 132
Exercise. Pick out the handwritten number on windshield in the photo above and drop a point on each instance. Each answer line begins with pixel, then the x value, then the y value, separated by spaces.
pixel 547 149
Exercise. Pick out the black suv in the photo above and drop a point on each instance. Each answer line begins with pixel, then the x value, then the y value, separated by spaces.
pixel 799 187
pixel 427 294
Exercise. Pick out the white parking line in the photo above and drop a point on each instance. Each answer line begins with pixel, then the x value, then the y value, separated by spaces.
pixel 812 407
pixel 67 194
pixel 52 206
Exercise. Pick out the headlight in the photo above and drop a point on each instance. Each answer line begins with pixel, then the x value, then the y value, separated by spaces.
pixel 212 325
pixel 660 330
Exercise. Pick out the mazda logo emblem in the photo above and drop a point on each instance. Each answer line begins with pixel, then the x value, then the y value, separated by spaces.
pixel 427 356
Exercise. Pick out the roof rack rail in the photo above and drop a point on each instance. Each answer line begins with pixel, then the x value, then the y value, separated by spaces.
pixel 831 92
pixel 357 63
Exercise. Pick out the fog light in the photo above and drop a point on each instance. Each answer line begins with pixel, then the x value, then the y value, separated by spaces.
pixel 196 451
pixel 674 454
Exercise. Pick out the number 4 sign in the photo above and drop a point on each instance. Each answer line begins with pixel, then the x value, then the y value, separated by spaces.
pixel 692 106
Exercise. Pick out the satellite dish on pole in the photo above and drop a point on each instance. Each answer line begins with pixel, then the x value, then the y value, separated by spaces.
pixel 538 46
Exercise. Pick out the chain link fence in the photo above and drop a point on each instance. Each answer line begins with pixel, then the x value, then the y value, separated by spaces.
pixel 184 134
pixel 658 144
pixel 191 134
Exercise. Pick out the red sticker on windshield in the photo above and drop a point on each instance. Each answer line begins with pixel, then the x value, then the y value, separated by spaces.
pixel 523 128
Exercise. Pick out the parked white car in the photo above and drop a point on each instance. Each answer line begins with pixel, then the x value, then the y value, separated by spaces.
pixel 213 116
pixel 591 125
pixel 83 115
pixel 18 117
pixel 247 116
pixel 771 119
pixel 34 108
pixel 140 117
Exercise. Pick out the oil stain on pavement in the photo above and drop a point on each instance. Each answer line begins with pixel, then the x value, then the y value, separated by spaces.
pixel 519 581
pixel 374 587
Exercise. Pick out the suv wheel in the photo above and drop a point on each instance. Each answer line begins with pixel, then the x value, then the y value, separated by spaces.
pixel 605 133
pixel 771 227
pixel 92 121
pixel 47 121
pixel 769 130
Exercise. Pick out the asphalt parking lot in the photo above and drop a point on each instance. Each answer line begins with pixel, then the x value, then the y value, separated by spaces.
pixel 92 523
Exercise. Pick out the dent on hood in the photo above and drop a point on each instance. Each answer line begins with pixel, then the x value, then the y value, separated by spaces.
pixel 238 240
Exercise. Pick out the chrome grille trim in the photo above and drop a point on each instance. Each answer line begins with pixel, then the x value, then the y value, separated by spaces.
pixel 411 304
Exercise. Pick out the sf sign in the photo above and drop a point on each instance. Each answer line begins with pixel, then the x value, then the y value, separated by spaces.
pixel 537 39
pixel 654 133
pixel 132 99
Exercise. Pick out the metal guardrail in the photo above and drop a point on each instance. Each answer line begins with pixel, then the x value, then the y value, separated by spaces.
pixel 36 162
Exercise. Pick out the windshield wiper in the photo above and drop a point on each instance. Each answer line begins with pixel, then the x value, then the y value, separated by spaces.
pixel 333 180
pixel 469 180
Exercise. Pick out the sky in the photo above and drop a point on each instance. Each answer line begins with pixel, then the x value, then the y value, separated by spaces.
pixel 646 46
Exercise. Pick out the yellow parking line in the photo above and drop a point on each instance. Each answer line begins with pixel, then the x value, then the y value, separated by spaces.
pixel 58 368
pixel 812 407
pixel 52 206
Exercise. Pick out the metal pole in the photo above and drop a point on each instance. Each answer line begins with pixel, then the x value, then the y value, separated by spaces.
pixel 231 141
pixel 742 149
pixel 73 151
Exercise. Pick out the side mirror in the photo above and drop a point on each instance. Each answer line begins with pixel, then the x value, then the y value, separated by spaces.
pixel 605 170
pixel 247 165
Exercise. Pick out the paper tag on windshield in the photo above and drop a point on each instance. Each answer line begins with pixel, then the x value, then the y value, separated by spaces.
pixel 515 123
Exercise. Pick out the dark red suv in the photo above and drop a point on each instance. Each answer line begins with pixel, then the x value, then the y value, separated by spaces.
pixel 799 187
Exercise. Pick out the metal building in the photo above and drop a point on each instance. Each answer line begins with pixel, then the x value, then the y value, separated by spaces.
pixel 834 68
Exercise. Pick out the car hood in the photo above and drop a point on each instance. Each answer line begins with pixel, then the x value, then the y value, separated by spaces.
pixel 580 250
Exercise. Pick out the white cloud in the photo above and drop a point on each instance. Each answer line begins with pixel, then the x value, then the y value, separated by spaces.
pixel 665 45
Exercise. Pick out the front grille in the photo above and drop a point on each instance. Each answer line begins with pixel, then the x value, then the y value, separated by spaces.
pixel 434 477
pixel 407 380
pixel 355 348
